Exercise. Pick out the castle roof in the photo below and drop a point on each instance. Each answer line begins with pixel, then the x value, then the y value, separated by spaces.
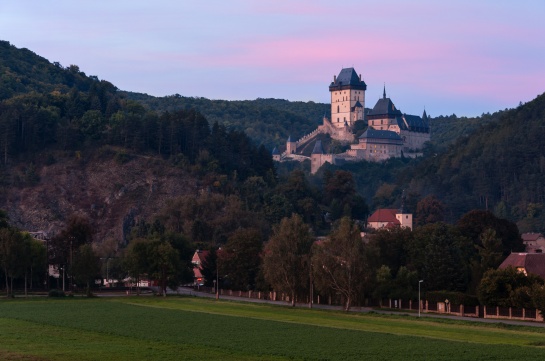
pixel 415 123
pixel 385 107
pixel 348 78
pixel 318 149
pixel 371 133
pixel 275 151
pixel 290 140
pixel 358 105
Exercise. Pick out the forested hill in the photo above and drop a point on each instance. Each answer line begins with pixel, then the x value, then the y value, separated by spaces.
pixel 22 71
pixel 266 121
pixel 500 167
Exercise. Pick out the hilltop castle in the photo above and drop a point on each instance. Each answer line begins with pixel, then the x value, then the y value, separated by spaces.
pixel 390 133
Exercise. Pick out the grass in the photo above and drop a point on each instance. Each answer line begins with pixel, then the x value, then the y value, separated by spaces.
pixel 150 328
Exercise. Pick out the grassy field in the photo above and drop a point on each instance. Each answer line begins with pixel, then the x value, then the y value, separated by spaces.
pixel 153 328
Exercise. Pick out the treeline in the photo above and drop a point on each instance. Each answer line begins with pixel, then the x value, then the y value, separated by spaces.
pixel 39 122
pixel 266 121
pixel 24 71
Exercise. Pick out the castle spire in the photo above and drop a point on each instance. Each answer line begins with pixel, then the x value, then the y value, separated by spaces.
pixel 384 92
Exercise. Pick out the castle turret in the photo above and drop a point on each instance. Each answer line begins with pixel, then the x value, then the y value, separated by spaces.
pixel 276 154
pixel 347 90
pixel 291 146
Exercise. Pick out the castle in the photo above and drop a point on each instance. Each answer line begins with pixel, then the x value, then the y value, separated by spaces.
pixel 390 133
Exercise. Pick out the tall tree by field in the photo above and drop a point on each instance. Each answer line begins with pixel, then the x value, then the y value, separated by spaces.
pixel 339 262
pixel 64 245
pixel 11 254
pixel 286 261
pixel 86 266
pixel 239 259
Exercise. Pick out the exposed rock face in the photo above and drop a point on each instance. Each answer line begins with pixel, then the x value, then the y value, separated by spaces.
pixel 111 195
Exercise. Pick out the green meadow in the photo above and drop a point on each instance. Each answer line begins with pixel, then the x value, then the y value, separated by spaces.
pixel 154 328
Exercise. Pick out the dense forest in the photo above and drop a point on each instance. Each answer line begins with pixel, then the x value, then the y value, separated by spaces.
pixel 500 167
pixel 266 121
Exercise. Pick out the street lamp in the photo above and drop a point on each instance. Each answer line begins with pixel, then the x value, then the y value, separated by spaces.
pixel 217 281
pixel 419 303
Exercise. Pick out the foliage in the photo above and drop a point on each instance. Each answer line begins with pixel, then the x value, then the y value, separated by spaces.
pixel 265 121
pixel 429 210
pixel 454 298
pixel 508 288
pixel 499 166
pixel 239 260
pixel 437 251
pixel 86 266
pixel 56 293
pixel 339 263
pixel 286 260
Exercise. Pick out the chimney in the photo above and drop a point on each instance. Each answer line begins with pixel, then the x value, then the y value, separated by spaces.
pixel 360 77
pixel 334 78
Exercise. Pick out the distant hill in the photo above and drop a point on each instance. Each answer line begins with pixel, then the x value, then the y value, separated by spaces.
pixel 266 121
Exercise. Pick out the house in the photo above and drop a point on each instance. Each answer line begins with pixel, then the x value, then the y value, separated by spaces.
pixel 534 242
pixel 385 217
pixel 526 263
pixel 197 260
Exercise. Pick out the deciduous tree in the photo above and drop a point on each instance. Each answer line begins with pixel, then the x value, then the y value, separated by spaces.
pixel 339 262
pixel 287 256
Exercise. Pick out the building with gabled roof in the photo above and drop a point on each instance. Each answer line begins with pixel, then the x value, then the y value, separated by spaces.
pixel 526 263
pixel 534 242
pixel 387 217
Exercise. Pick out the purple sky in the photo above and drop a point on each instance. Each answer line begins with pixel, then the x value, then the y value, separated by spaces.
pixel 464 57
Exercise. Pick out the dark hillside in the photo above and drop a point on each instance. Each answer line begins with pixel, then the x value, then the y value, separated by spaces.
pixel 500 167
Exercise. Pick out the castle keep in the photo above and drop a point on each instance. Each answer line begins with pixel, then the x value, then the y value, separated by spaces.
pixel 390 133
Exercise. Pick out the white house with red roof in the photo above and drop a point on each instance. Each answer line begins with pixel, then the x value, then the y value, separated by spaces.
pixel 387 217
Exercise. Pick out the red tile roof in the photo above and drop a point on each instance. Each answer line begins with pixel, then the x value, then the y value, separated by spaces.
pixel 384 215
pixel 531 262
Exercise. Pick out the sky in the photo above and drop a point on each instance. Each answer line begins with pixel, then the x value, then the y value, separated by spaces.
pixel 463 57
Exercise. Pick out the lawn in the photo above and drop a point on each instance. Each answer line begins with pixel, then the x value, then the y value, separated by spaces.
pixel 153 328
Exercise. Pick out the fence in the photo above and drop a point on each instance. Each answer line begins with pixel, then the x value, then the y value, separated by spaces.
pixel 511 313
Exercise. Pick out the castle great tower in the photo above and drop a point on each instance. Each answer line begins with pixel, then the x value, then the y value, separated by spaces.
pixel 347 98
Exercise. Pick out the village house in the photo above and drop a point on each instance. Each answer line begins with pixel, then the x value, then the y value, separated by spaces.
pixel 386 218
pixel 526 263
pixel 534 242
pixel 197 260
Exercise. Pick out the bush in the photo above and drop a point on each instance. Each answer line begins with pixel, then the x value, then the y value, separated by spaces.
pixel 56 293
pixel 454 298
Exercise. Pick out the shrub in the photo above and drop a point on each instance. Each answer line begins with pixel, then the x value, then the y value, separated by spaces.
pixel 56 293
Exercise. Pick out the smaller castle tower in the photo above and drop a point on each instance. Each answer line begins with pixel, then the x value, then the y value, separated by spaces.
pixel 276 154
pixel 291 146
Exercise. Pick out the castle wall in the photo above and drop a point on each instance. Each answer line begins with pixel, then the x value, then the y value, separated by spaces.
pixel 413 140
